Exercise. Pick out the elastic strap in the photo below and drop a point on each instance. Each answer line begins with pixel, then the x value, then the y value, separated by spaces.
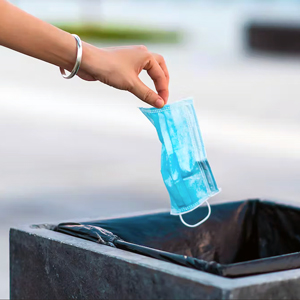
pixel 202 221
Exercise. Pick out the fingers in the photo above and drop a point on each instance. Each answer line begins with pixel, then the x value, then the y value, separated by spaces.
pixel 146 94
pixel 163 65
pixel 159 78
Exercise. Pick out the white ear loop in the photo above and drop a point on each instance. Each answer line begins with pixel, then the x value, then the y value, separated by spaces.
pixel 202 221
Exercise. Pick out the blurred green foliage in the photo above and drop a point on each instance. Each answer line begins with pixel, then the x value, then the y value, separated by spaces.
pixel 121 33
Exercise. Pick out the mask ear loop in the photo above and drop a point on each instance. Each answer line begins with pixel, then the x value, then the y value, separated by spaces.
pixel 199 223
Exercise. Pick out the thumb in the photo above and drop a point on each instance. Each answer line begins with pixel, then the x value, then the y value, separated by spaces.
pixel 146 94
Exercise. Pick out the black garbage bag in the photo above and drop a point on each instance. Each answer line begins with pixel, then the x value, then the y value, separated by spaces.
pixel 239 239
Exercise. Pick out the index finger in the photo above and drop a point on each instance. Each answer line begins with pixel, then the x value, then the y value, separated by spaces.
pixel 162 64
pixel 158 76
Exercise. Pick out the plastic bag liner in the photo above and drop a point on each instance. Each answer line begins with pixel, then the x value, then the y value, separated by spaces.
pixel 239 239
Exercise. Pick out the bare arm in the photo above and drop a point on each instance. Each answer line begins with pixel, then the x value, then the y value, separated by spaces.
pixel 118 67
pixel 26 34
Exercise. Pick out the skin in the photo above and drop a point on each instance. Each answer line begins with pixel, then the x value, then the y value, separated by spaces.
pixel 118 67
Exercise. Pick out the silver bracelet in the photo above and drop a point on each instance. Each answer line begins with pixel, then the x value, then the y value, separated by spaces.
pixel 78 60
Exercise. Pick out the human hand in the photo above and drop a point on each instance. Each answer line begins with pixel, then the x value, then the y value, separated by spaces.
pixel 120 67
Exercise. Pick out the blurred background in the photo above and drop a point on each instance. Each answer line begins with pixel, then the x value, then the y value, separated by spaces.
pixel 73 149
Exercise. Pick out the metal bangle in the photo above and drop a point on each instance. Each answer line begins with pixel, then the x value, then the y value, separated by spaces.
pixel 78 60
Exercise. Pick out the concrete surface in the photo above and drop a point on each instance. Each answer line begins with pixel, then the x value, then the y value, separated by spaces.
pixel 65 267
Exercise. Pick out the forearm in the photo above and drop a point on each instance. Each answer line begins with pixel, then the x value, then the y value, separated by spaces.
pixel 26 34
pixel 117 67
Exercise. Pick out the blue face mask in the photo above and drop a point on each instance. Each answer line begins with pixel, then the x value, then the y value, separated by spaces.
pixel 184 166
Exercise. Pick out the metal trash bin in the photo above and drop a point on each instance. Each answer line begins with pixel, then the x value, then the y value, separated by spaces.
pixel 246 250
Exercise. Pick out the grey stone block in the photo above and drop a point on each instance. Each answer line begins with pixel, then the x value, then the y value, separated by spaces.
pixel 49 265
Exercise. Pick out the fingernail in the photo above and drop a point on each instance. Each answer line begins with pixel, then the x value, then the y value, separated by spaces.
pixel 159 103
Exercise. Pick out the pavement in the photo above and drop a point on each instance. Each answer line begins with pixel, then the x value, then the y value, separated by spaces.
pixel 75 149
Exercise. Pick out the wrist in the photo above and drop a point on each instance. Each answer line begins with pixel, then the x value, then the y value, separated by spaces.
pixel 93 60
pixel 70 53
pixel 77 62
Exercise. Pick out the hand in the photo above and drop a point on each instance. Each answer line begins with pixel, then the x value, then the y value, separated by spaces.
pixel 119 67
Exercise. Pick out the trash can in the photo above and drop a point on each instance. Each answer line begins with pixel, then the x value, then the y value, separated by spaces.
pixel 246 250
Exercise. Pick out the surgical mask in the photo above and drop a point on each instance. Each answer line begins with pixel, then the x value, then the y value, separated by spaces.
pixel 184 167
